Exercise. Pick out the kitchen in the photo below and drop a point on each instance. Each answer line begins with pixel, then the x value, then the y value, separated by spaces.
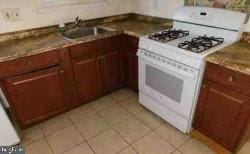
pixel 141 76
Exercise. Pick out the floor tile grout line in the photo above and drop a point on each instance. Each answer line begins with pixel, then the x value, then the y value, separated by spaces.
pixel 85 140
pixel 43 137
pixel 139 113
pixel 60 128
pixel 176 150
pixel 121 135
pixel 73 125
pixel 50 147
pixel 168 141
pixel 185 142
pixel 133 115
pixel 64 128
pixel 31 142
pixel 152 129
pixel 98 132
pixel 128 144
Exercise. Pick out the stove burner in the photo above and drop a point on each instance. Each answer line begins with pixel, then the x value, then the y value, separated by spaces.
pixel 201 43
pixel 168 35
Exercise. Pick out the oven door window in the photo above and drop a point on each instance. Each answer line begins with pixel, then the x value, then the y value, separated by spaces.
pixel 164 83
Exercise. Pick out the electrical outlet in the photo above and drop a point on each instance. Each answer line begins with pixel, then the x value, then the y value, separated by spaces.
pixel 11 14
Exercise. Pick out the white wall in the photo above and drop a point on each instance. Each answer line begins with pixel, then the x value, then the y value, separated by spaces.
pixel 160 8
pixel 32 17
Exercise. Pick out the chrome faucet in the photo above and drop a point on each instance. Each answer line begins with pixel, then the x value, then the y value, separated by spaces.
pixel 77 22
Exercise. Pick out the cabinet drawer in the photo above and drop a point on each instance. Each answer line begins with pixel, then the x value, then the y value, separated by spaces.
pixel 37 95
pixel 103 45
pixel 227 77
pixel 84 50
pixel 30 63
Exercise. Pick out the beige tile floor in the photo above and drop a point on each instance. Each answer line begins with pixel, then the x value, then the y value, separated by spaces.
pixel 113 124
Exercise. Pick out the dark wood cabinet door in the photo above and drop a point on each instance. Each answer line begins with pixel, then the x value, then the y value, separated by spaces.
pixel 133 70
pixel 222 114
pixel 36 96
pixel 110 65
pixel 87 78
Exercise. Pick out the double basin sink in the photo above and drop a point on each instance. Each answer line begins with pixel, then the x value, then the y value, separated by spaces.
pixel 84 32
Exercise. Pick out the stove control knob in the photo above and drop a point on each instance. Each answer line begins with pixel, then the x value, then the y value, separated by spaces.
pixel 179 66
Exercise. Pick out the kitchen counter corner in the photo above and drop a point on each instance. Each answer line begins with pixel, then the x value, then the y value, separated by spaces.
pixel 235 57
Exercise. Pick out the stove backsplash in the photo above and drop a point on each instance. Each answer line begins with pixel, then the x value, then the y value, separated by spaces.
pixel 238 5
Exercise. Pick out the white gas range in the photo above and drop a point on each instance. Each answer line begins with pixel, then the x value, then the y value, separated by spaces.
pixel 171 62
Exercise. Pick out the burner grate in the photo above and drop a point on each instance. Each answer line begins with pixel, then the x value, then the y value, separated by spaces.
pixel 168 35
pixel 201 43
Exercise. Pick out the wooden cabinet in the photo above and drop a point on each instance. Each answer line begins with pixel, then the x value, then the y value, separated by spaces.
pixel 28 64
pixel 97 68
pixel 133 71
pixel 131 47
pixel 87 79
pixel 46 84
pixel 222 112
pixel 110 65
pixel 36 96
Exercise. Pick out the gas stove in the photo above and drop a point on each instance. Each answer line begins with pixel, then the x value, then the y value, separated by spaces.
pixel 201 43
pixel 197 44
pixel 168 35
pixel 171 62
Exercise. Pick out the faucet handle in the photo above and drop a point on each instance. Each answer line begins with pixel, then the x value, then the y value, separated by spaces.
pixel 77 22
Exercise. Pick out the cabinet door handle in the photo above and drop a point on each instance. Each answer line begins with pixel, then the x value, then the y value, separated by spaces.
pixel 230 79
pixel 29 62
pixel 61 71
pixel 100 59
pixel 204 86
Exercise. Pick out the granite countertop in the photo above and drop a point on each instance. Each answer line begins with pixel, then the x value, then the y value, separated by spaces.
pixel 138 28
pixel 13 49
pixel 235 57
pixel 25 47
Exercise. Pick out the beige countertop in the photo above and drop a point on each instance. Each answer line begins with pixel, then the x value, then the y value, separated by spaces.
pixel 235 57
pixel 10 50
pixel 138 28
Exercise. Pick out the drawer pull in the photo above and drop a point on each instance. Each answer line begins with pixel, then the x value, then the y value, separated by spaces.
pixel 29 62
pixel 230 79
pixel 61 71
pixel 204 86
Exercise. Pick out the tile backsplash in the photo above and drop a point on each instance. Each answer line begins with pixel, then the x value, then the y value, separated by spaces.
pixel 238 5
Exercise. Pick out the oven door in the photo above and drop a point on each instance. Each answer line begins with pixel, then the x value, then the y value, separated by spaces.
pixel 172 88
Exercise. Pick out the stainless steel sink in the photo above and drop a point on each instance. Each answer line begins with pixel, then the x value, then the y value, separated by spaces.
pixel 84 31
